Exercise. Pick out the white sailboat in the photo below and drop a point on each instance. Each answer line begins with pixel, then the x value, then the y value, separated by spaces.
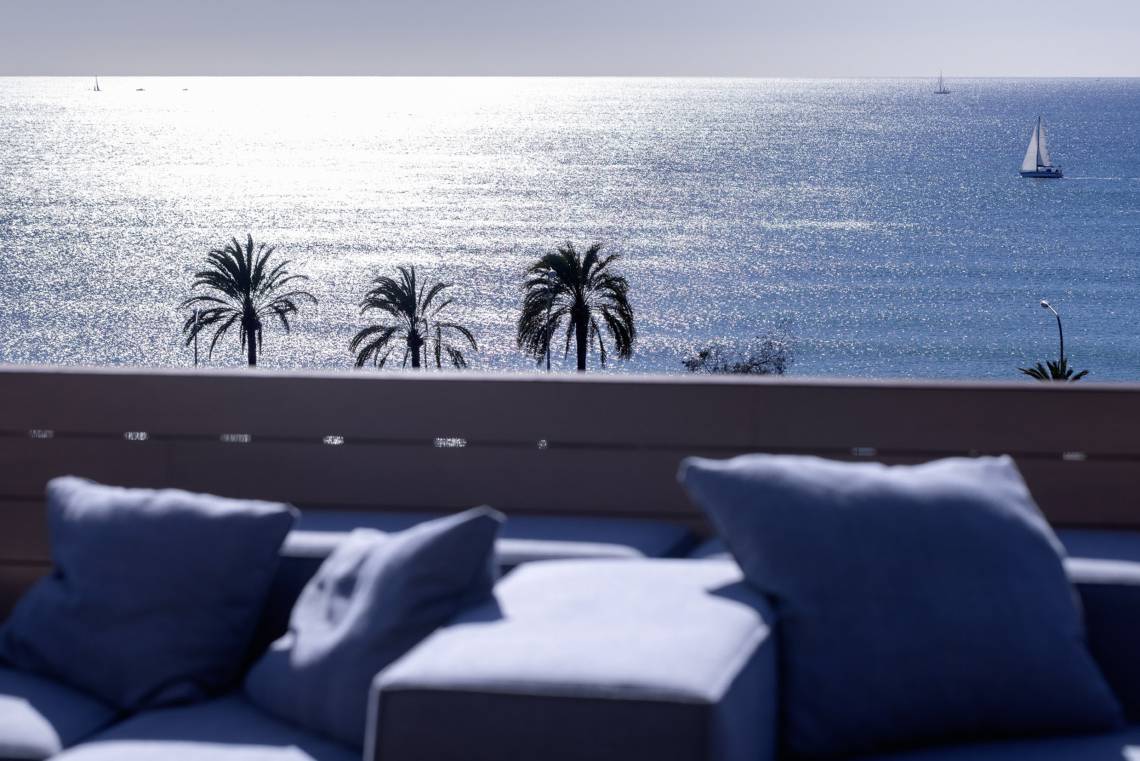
pixel 1037 162
pixel 97 85
pixel 942 89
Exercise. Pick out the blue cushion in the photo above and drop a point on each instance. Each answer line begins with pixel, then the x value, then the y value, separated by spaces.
pixel 917 604
pixel 523 539
pixel 605 660
pixel 154 596
pixel 39 717
pixel 374 598
pixel 223 729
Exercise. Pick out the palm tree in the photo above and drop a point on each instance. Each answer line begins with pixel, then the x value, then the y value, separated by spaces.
pixel 415 324
pixel 581 289
pixel 244 291
pixel 1053 371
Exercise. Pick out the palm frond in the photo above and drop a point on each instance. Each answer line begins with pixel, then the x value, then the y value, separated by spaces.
pixel 1051 371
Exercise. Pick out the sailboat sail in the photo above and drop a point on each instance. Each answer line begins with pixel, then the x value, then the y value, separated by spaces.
pixel 1032 152
pixel 1042 152
pixel 1037 162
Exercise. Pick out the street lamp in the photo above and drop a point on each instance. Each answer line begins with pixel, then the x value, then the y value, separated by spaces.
pixel 1060 331
pixel 195 338
pixel 549 335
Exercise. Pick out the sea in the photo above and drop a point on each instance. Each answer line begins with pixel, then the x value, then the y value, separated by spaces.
pixel 877 229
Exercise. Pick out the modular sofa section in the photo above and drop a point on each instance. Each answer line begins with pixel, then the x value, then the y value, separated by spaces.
pixel 664 659
pixel 40 717
pixel 229 728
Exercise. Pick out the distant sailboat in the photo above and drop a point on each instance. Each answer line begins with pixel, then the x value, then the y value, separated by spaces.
pixel 1037 162
pixel 97 85
pixel 942 89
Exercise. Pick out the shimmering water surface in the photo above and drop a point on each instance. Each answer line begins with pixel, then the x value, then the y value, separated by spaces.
pixel 886 227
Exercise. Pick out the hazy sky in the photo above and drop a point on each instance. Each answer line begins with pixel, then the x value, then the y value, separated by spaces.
pixel 671 37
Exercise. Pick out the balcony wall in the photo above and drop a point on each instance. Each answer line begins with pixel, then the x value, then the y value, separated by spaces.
pixel 525 444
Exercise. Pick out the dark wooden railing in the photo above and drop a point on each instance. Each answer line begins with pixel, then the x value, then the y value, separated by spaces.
pixel 535 444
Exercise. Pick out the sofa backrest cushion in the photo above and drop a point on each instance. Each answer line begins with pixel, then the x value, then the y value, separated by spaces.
pixel 154 595
pixel 1110 595
pixel 375 597
pixel 916 604
pixel 522 539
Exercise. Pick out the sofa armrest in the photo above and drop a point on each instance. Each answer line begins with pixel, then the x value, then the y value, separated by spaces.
pixel 1110 594
pixel 663 659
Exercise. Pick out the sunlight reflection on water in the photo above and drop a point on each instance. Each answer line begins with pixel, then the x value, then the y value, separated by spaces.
pixel 889 228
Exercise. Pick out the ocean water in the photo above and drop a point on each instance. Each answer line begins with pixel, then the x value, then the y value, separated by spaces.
pixel 884 227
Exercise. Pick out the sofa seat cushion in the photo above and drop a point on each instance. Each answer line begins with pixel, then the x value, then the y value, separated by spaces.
pixel 223 729
pixel 661 659
pixel 1116 746
pixel 39 717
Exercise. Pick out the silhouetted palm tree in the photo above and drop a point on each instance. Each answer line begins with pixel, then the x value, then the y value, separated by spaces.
pixel 581 289
pixel 244 291
pixel 1053 371
pixel 415 324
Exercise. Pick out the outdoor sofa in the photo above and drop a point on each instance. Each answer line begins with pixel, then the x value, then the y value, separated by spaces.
pixel 590 650
pixel 608 635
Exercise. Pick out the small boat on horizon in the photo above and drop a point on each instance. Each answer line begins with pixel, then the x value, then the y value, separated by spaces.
pixel 942 88
pixel 1037 162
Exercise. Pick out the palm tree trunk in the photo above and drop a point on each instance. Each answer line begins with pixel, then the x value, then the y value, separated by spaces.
pixel 415 356
pixel 581 333
pixel 251 348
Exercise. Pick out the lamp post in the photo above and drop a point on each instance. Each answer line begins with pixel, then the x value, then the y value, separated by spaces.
pixel 1060 331
pixel 195 338
pixel 549 335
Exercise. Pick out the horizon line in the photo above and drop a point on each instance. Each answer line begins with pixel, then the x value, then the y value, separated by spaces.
pixel 405 75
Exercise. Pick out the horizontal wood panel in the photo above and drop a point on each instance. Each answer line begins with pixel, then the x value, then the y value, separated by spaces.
pixel 26 465
pixel 613 443
pixel 390 477
pixel 668 412
pixel 23 531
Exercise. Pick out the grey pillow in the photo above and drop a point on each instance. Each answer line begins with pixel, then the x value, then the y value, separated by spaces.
pixel 917 604
pixel 154 595
pixel 374 598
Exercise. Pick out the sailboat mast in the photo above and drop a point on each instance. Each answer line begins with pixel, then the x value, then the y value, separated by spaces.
pixel 1039 141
